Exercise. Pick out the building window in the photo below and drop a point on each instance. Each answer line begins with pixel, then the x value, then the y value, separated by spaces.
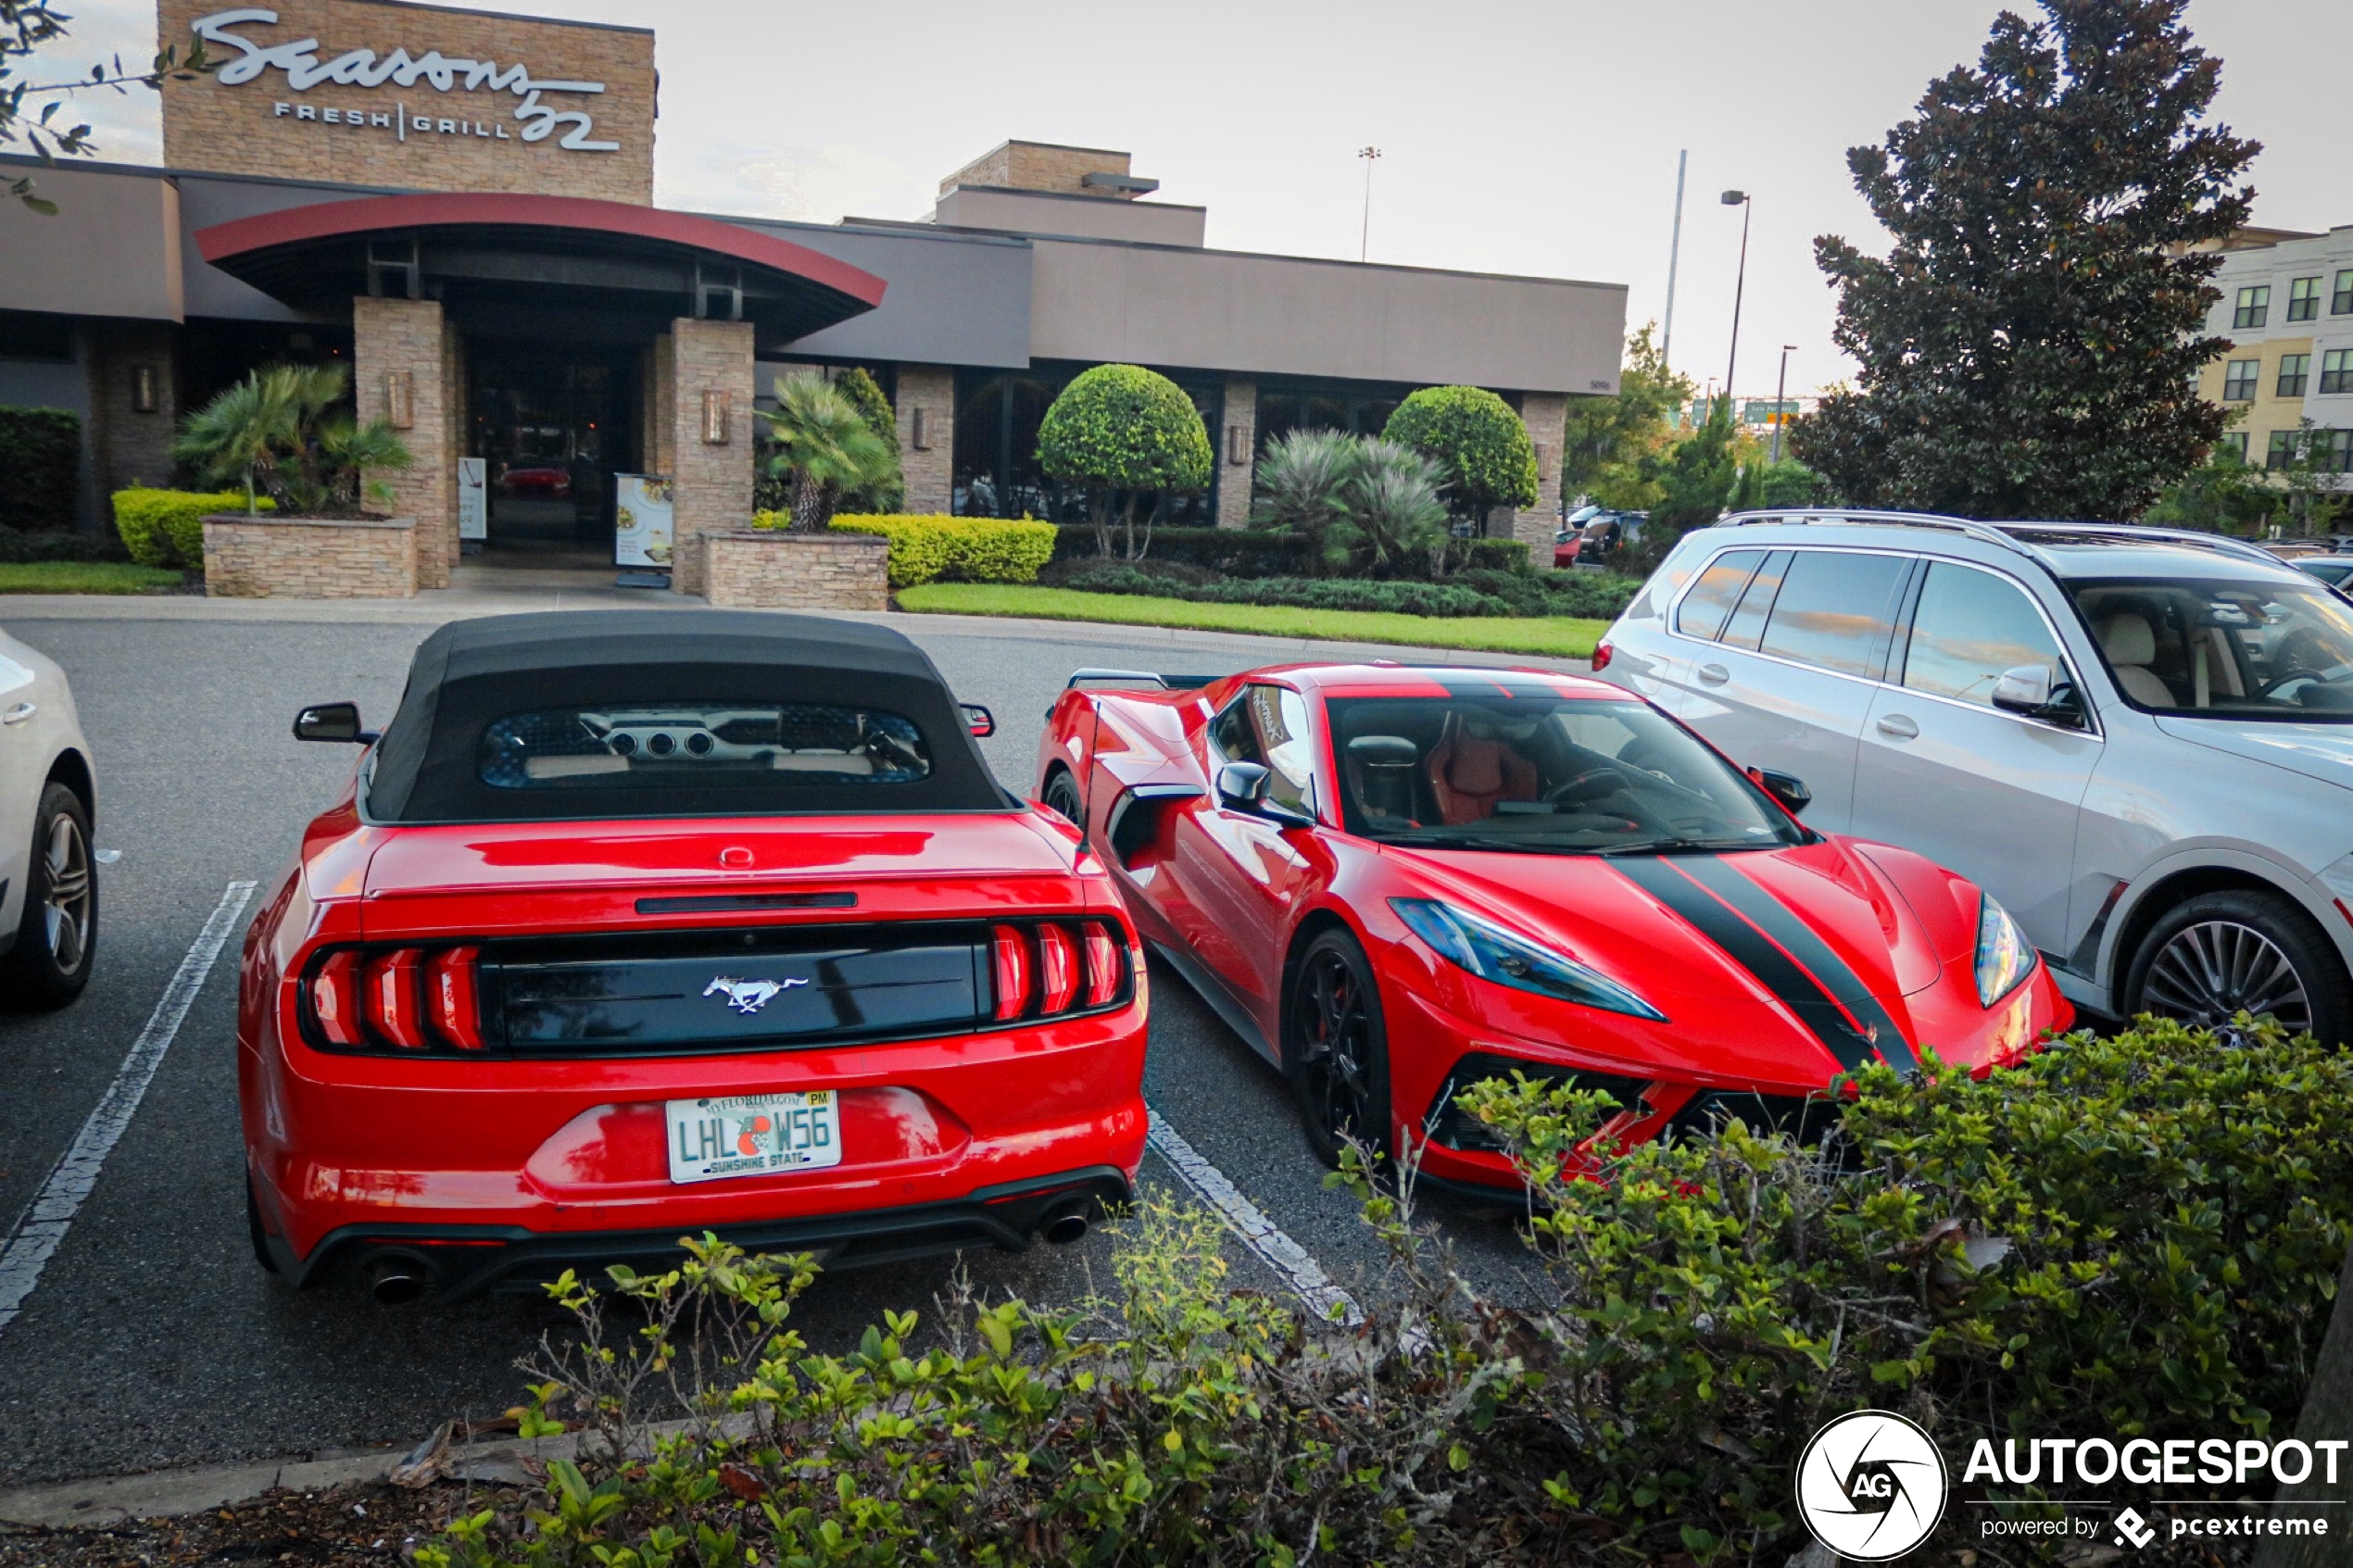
pixel 996 473
pixel 2341 302
pixel 2336 370
pixel 1362 411
pixel 2253 306
pixel 2238 380
pixel 2333 451
pixel 2293 371
pixel 2282 451
pixel 2236 441
pixel 2303 299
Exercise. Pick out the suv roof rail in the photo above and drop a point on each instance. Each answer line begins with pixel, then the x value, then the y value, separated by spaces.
pixel 1983 532
pixel 2223 543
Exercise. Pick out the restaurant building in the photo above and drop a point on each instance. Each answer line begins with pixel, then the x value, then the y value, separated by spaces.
pixel 459 205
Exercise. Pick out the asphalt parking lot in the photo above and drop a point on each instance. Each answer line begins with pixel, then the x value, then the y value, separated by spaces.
pixel 152 1340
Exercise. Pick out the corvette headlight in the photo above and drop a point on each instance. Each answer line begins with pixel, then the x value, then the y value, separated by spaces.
pixel 2004 954
pixel 1507 958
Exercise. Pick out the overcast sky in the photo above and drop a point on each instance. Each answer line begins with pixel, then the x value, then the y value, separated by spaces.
pixel 1536 137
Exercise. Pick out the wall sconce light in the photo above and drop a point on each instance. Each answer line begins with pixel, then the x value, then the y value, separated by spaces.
pixel 919 429
pixel 400 399
pixel 142 389
pixel 715 407
pixel 1543 463
pixel 1237 446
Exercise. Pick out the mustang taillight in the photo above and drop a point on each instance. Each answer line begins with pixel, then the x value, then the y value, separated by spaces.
pixel 1056 968
pixel 401 999
pixel 449 997
pixel 1012 971
pixel 334 1000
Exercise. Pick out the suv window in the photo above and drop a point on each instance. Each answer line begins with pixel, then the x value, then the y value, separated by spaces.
pixel 1836 609
pixel 1747 624
pixel 1968 628
pixel 1703 610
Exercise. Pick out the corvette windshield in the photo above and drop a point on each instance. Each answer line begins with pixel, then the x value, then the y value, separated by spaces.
pixel 2234 649
pixel 1542 774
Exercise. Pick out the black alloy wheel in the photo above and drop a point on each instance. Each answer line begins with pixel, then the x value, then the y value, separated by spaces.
pixel 1336 1049
pixel 2218 955
pixel 1061 798
pixel 57 940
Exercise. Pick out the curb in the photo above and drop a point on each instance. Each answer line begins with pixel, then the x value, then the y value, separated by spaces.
pixel 101 1502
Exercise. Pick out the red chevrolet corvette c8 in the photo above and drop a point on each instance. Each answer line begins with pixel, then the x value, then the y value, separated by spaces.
pixel 1393 883
pixel 636 925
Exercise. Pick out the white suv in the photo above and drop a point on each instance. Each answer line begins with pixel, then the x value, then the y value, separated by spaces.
pixel 2140 741
pixel 48 799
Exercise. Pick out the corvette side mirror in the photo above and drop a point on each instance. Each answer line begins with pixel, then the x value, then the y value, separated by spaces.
pixel 1787 788
pixel 1242 787
pixel 982 723
pixel 333 722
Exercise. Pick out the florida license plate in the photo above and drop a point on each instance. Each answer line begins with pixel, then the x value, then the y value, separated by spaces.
pixel 753 1134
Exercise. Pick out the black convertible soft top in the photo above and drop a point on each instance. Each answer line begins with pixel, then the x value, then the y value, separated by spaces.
pixel 471 679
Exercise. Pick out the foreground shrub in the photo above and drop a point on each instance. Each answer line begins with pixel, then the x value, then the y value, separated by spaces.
pixel 1476 439
pixel 19 547
pixel 955 549
pixel 166 527
pixel 2136 1236
pixel 41 456
pixel 1122 433
pixel 1593 594
pixel 1235 552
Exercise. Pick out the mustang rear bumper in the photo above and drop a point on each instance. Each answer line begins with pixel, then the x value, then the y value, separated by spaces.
pixel 465 1261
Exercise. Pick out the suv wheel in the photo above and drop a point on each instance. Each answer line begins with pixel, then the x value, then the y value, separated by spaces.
pixel 57 940
pixel 2220 954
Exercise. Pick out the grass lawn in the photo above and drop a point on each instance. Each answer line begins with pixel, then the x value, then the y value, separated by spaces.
pixel 82 577
pixel 1557 638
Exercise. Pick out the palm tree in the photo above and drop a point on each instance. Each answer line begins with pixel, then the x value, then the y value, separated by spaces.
pixel 1303 483
pixel 276 427
pixel 824 445
pixel 1397 513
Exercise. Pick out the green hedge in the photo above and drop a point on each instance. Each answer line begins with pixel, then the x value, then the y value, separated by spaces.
pixel 1236 552
pixel 1487 554
pixel 2130 1238
pixel 41 458
pixel 166 527
pixel 1584 595
pixel 20 548
pixel 957 549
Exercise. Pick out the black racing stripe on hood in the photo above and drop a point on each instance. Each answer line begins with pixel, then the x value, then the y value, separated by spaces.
pixel 1800 940
pixel 1715 920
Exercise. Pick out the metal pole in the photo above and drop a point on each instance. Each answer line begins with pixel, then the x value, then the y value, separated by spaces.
pixel 1364 239
pixel 1674 254
pixel 1780 400
pixel 1739 287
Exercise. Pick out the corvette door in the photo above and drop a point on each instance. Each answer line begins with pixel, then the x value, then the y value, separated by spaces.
pixel 1242 873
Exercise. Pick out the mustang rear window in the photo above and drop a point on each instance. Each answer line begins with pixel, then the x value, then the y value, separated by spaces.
pixel 706 744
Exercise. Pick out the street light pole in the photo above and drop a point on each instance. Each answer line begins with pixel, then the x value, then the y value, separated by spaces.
pixel 1364 239
pixel 1674 254
pixel 1739 287
pixel 1781 403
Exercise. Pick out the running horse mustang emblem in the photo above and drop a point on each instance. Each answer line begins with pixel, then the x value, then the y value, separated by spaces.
pixel 749 996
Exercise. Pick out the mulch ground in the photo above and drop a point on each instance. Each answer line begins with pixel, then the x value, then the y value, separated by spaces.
pixel 366 1523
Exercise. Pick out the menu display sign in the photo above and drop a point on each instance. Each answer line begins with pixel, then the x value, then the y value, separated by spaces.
pixel 641 518
pixel 474 498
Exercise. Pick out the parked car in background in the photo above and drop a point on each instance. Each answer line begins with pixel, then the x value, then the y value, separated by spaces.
pixel 1600 534
pixel 2140 741
pixel 2332 569
pixel 1395 882
pixel 637 924
pixel 48 806
pixel 536 479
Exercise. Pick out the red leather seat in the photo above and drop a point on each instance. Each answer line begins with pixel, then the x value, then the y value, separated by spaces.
pixel 1469 774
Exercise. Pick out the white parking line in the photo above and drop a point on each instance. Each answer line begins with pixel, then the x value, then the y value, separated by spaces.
pixel 1261 1235
pixel 46 1218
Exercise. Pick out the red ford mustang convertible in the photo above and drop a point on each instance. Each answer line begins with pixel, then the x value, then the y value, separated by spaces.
pixel 1395 883
pixel 636 925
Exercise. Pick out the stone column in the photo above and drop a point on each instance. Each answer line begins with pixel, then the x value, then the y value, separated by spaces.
pixel 453 371
pixel 1546 416
pixel 1236 453
pixel 659 406
pixel 926 410
pixel 711 479
pixel 130 444
pixel 404 338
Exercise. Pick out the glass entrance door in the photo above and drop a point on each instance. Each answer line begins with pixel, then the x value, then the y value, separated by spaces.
pixel 553 422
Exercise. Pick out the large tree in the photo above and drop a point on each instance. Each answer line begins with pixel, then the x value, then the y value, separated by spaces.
pixel 1614 443
pixel 2029 343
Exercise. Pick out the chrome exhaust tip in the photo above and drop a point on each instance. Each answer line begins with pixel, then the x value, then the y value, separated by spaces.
pixel 1066 1225
pixel 396 1278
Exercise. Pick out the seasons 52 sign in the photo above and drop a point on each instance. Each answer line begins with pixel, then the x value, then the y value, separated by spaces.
pixel 304 68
